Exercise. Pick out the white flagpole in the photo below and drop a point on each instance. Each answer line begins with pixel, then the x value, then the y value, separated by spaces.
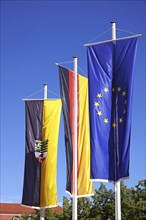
pixel 42 210
pixel 117 184
pixel 117 201
pixel 75 112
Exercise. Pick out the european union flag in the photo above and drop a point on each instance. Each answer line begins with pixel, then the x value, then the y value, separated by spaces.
pixel 110 73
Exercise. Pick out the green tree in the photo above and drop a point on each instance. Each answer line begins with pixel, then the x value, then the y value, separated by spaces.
pixel 102 205
pixel 30 217
pixel 84 206
pixel 141 199
pixel 58 215
pixel 133 201
pixel 67 209
pixel 49 215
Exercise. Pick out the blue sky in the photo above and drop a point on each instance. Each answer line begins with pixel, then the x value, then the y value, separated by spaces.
pixel 34 36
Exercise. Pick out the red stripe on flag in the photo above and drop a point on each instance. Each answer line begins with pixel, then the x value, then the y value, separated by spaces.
pixel 71 114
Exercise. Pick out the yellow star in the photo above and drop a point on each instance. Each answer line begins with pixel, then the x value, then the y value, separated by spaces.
pixel 124 111
pixel 96 104
pixel 113 89
pixel 114 125
pixel 105 120
pixel 125 102
pixel 123 93
pixel 121 120
pixel 119 89
pixel 106 90
pixel 99 95
pixel 99 113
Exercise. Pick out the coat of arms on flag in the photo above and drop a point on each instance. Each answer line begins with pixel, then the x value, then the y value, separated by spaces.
pixel 41 150
pixel 42 131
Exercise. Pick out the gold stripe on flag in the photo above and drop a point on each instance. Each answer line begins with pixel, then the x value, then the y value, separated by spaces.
pixel 50 131
pixel 85 187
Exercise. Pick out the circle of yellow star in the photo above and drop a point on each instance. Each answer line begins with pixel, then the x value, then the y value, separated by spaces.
pixel 105 120
pixel 121 120
pixel 99 113
pixel 114 125
pixel 119 89
pixel 96 104
pixel 105 89
pixel 99 95
pixel 123 93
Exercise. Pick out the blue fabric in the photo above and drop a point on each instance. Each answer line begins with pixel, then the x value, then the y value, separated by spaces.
pixel 110 73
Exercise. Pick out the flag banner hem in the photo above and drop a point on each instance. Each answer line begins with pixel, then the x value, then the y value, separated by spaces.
pixel 45 207
pixel 37 207
pixel 109 181
pixel 80 196
pixel 69 193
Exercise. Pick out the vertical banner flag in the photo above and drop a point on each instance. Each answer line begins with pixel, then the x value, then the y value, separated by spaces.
pixel 110 71
pixel 84 185
pixel 42 130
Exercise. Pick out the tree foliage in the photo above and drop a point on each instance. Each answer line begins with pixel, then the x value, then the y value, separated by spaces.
pixel 102 205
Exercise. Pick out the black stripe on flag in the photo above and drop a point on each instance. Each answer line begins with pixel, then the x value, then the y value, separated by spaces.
pixel 31 187
pixel 64 90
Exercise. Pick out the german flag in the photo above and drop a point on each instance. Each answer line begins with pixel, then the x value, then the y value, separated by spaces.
pixel 83 167
pixel 42 129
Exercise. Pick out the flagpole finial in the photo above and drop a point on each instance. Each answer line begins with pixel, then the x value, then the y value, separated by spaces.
pixel 45 90
pixel 113 22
